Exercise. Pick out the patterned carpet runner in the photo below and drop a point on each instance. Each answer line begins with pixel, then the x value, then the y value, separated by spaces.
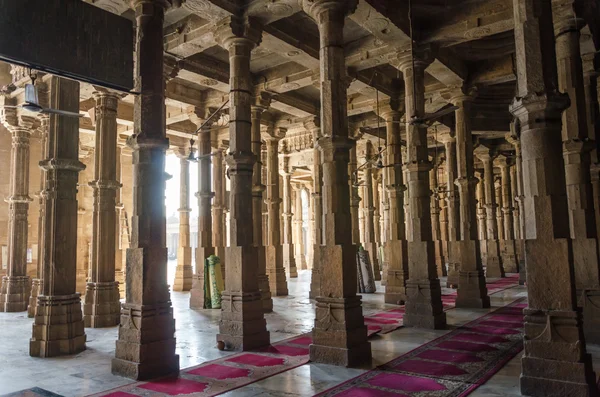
pixel 241 369
pixel 451 366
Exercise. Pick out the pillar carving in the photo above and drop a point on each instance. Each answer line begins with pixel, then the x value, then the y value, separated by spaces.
pixel 370 242
pixel 242 324
pixel 218 208
pixel 493 264
pixel 435 219
pixel 339 335
pixel 507 241
pixel 555 361
pixel 448 138
pixel 274 249
pixel 184 272
pixel 102 307
pixel 314 127
pixel 58 303
pixel 355 200
pixel 395 247
pixel 298 226
pixel 16 285
pixel 289 253
pixel 514 139
pixel 147 322
pixel 424 294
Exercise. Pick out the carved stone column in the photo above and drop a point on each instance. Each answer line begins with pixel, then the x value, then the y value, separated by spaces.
pixel 289 259
pixel 242 324
pixel 339 335
pixel 261 103
pixel 354 197
pixel 16 285
pixel 481 227
pixel 514 139
pixel 102 307
pixel 298 226
pixel 146 344
pixel 507 241
pixel 555 361
pixel 274 250
pixel 472 290
pixel 424 294
pixel 395 248
pixel 377 212
pixel 493 265
pixel 184 272
pixel 313 125
pixel 218 215
pixel 576 151
pixel 37 282
pixel 59 305
pixel 370 242
pixel 449 140
pixel 435 220
pixel 204 195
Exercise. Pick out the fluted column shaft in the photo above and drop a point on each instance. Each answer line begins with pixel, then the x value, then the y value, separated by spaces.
pixel 342 341
pixel 555 362
pixel 424 296
pixel 58 303
pixel 147 315
pixel 102 307
pixel 274 249
pixel 15 288
pixel 370 242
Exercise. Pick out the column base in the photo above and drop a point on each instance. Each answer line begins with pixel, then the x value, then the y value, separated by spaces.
pixel 472 291
pixel 372 249
pixel 493 265
pixel 396 257
pixel 340 335
pixel 102 306
pixel 14 293
pixel 424 304
pixel 146 344
pixel 452 279
pixel 265 293
pixel 183 278
pixel 57 327
pixel 315 277
pixel 289 261
pixel 36 287
pixel 509 256
pixel 197 292
pixel 276 271
pixel 555 362
pixel 590 303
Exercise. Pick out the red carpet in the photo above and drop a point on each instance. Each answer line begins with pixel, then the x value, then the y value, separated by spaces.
pixel 241 369
pixel 452 365
pixel 391 320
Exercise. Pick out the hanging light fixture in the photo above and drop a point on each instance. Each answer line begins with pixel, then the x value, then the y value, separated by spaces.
pixel 192 157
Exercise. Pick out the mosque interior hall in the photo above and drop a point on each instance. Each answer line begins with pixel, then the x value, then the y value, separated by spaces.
pixel 351 198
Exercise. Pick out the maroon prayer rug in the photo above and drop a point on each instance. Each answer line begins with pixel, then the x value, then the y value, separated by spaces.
pixel 450 366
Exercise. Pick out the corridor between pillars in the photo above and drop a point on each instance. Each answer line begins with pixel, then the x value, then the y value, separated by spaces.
pixel 339 334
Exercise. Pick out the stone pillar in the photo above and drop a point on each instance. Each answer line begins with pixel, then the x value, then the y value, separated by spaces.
pixel 449 140
pixel 395 247
pixel 370 242
pixel 261 103
pixel 274 250
pixel 516 221
pixel 37 282
pixel 339 335
pixel 218 215
pixel 444 229
pixel 183 272
pixel 507 241
pixel 555 361
pixel 493 265
pixel 146 343
pixel 124 236
pixel 204 195
pixel 59 306
pixel 354 197
pixel 514 139
pixel 435 220
pixel 313 125
pixel 576 151
pixel 16 285
pixel 424 294
pixel 377 212
pixel 242 324
pixel 289 259
pixel 102 307
pixel 298 223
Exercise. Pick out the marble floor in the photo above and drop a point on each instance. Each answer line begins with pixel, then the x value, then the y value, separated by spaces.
pixel 89 371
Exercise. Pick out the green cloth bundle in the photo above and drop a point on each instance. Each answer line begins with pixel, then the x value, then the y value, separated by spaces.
pixel 213 282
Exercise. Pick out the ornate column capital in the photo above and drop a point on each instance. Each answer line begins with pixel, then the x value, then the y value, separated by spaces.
pixel 171 67
pixel 484 153
pixel 459 95
pixel 446 136
pixel 423 57
pixel 317 9
pixel 567 16
pixel 238 30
